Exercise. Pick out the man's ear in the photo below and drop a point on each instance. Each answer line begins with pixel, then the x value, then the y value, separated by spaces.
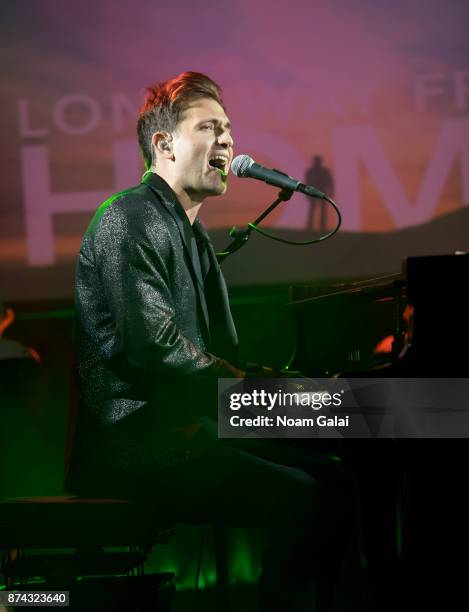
pixel 161 143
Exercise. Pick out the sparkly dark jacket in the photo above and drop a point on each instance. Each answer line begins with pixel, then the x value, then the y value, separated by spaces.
pixel 153 325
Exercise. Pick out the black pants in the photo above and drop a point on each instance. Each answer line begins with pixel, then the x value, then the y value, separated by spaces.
pixel 304 499
pixel 309 513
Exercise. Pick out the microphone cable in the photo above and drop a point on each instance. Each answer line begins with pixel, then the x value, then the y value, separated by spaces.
pixel 302 242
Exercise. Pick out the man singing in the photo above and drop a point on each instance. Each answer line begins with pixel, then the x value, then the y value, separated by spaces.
pixel 154 332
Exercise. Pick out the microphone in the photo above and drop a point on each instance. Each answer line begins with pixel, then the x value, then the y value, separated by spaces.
pixel 244 166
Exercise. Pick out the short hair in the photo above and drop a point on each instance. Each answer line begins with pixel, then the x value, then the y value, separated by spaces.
pixel 165 104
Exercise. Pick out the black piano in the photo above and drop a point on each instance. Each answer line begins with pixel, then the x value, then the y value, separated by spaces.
pixel 411 324
pixel 414 324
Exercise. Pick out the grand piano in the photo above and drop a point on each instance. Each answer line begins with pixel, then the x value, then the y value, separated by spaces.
pixel 412 324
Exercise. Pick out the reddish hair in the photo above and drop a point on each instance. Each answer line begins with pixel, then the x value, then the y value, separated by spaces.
pixel 166 103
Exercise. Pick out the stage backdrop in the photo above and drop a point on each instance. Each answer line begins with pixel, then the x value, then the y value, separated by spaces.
pixel 371 98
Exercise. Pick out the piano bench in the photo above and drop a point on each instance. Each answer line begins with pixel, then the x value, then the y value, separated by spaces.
pixel 85 526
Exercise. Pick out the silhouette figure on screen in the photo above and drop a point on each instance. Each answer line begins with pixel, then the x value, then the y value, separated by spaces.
pixel 319 176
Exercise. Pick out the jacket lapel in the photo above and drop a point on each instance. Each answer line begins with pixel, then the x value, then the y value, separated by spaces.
pixel 168 198
pixel 222 327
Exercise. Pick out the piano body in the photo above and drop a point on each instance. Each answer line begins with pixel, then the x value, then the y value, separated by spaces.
pixel 415 324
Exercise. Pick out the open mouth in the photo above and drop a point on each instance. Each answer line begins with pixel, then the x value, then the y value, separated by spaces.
pixel 220 163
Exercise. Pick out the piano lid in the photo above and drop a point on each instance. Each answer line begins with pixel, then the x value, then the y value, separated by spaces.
pixel 381 287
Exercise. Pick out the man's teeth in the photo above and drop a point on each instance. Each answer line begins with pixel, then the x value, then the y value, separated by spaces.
pixel 220 162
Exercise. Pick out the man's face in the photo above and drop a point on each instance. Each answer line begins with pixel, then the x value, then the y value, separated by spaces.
pixel 202 141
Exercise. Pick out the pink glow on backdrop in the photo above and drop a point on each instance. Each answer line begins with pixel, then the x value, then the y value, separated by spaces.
pixel 300 79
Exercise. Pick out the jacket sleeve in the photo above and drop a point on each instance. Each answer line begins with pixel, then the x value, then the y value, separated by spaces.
pixel 131 251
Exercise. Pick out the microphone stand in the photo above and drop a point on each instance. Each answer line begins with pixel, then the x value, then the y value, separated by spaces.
pixel 241 236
